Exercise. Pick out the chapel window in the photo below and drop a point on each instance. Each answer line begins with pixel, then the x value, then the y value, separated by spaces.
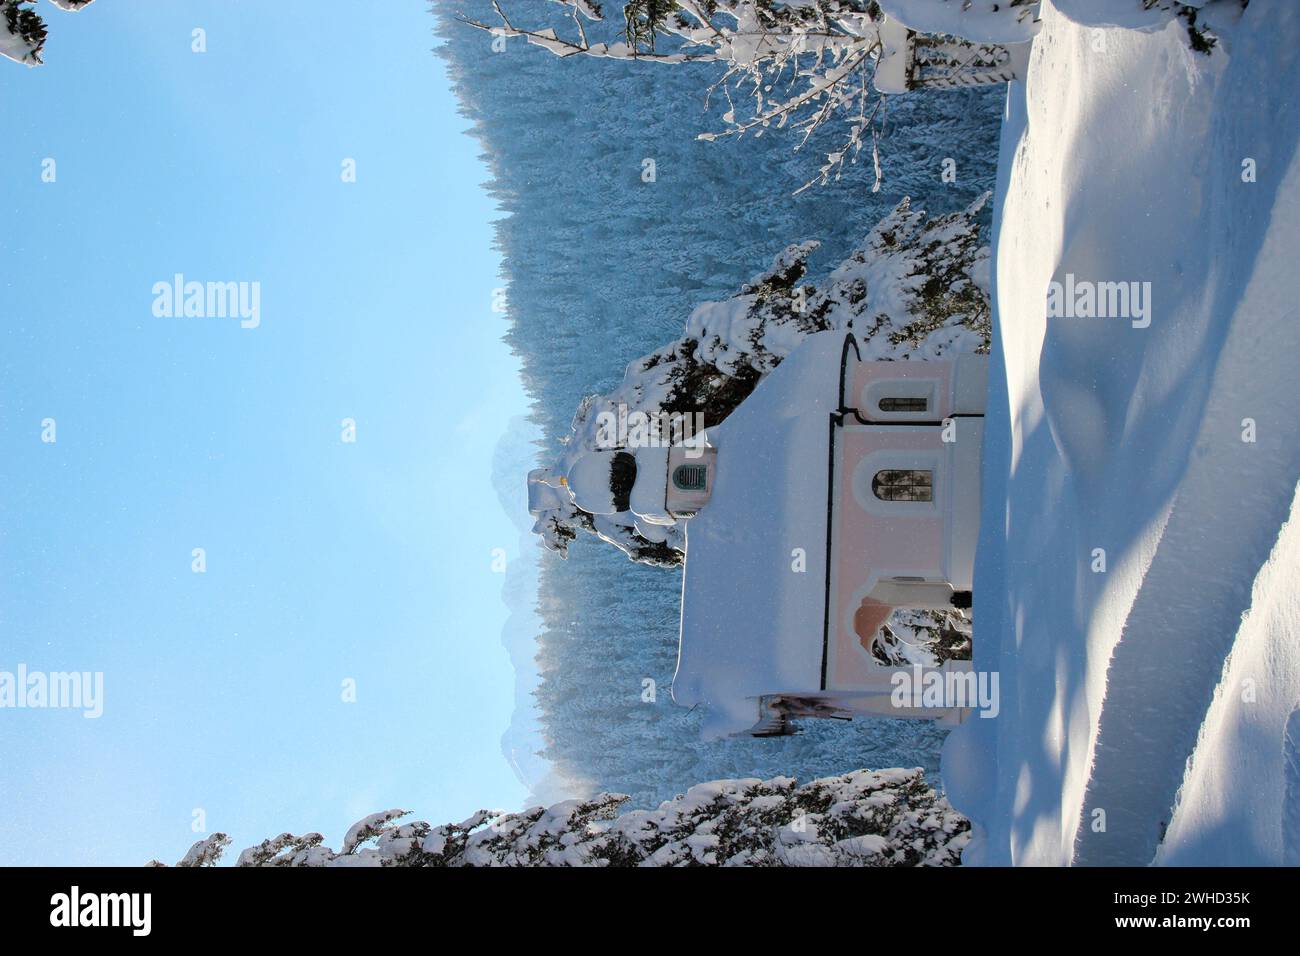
pixel 903 484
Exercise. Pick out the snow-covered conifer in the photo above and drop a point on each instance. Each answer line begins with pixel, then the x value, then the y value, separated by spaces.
pixel 23 31
pixel 915 288
pixel 863 818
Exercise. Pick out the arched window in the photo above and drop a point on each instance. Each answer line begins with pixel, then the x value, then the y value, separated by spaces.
pixel 903 484
pixel 690 477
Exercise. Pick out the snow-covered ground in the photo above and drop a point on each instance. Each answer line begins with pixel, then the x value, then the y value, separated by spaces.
pixel 1227 812
pixel 1138 704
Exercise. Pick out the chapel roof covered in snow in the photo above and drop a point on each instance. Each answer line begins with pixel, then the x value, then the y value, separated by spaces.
pixel 870 467
pixel 766 503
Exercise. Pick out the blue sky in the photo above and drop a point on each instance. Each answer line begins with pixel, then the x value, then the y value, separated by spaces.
pixel 325 560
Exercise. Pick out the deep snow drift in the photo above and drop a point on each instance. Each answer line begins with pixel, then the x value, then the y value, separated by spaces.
pixel 1128 157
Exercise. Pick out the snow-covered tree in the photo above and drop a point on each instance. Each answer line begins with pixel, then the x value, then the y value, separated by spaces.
pixel 204 853
pixel 23 31
pixel 919 636
pixel 863 818
pixel 915 288
pixel 802 63
pixel 602 267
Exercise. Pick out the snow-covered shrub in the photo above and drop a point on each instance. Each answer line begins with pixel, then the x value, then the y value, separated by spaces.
pixel 863 818
pixel 920 636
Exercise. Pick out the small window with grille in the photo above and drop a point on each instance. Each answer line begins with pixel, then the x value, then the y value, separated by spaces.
pixel 903 404
pixel 903 484
pixel 690 477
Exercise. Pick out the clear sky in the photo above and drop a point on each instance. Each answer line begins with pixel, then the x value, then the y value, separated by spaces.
pixel 326 560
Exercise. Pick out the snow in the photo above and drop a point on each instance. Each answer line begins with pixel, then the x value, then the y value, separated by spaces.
pixel 1122 160
pixel 892 62
pixel 1240 803
pixel 16 48
pixel 886 818
pixel 1120 13
pixel 982 21
pixel 914 288
pixel 588 480
pixel 19 50
pixel 368 827
pixel 756 628
pixel 1097 436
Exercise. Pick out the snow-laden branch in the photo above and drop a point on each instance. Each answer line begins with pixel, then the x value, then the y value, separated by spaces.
pixel 804 64
pixel 23 32
pixel 863 818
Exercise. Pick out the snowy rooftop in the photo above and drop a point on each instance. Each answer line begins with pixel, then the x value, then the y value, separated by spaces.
pixel 755 626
